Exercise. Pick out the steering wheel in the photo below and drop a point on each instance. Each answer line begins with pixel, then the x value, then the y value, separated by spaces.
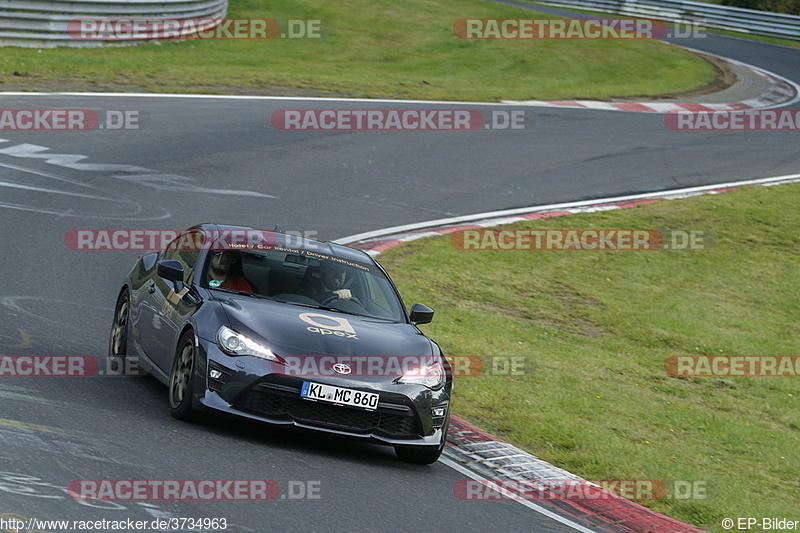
pixel 333 297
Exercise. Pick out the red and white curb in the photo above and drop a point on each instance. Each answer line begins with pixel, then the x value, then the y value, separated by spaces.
pixel 374 242
pixel 491 461
pixel 781 92
pixel 480 455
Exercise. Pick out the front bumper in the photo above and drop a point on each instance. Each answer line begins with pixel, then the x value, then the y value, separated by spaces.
pixel 254 388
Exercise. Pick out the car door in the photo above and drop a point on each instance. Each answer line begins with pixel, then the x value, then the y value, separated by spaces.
pixel 167 305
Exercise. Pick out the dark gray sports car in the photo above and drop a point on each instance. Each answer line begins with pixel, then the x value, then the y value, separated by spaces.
pixel 285 330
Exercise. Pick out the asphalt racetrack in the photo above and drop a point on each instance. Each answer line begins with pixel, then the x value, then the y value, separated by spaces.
pixel 214 159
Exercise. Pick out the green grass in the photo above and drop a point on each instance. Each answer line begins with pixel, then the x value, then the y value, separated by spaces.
pixel 596 327
pixel 373 48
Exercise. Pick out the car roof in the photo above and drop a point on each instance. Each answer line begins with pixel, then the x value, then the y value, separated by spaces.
pixel 330 248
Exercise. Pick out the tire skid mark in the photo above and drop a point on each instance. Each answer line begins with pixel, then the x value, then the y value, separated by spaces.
pixel 136 207
pixel 22 394
pixel 25 340
pixel 12 302
pixel 34 438
pixel 128 173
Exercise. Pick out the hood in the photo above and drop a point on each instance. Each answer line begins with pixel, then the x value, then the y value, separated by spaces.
pixel 293 330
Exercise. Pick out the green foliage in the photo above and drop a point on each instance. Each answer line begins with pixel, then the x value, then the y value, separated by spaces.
pixel 791 7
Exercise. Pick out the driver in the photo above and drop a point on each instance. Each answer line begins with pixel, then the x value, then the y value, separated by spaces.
pixel 225 271
pixel 328 285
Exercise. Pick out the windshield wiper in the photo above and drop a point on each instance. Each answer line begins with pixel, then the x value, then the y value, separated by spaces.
pixel 324 308
pixel 329 308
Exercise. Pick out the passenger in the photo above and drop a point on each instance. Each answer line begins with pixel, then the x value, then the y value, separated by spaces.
pixel 225 271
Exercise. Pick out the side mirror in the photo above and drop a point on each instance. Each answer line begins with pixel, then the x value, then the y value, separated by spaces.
pixel 421 314
pixel 170 269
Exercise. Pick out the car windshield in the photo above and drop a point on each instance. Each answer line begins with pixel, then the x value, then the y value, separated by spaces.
pixel 305 277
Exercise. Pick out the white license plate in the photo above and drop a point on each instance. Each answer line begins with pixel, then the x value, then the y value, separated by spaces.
pixel 338 395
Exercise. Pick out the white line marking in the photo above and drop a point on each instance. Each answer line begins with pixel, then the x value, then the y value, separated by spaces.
pixel 51 191
pixel 553 207
pixel 246 97
pixel 143 176
pixel 112 197
pixel 538 508
pixel 48 175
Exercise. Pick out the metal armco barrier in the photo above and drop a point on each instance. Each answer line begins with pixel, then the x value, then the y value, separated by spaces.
pixel 696 13
pixel 46 23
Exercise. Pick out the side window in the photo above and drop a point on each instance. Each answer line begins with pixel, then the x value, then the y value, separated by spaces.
pixel 186 249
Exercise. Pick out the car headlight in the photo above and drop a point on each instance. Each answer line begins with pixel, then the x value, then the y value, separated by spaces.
pixel 234 343
pixel 431 376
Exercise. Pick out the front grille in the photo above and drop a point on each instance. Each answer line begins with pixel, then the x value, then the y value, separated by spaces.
pixel 270 404
pixel 266 404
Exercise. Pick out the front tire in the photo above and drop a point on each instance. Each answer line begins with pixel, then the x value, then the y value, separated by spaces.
pixel 181 380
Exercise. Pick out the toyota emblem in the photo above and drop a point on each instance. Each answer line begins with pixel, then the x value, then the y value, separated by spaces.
pixel 340 368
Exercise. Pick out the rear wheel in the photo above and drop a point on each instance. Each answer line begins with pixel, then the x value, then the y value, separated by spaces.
pixel 181 380
pixel 118 339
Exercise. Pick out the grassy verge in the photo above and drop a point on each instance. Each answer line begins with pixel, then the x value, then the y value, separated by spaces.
pixel 372 48
pixel 595 329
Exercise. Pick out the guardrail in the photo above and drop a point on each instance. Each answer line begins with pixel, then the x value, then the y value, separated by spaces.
pixel 46 23
pixel 696 13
